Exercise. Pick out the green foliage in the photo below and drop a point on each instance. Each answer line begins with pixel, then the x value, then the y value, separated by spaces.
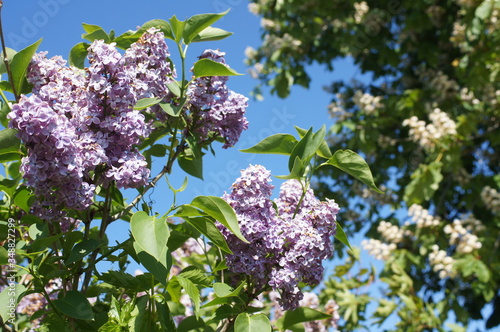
pixel 420 56
pixel 246 323
pixel 61 268
pixel 207 67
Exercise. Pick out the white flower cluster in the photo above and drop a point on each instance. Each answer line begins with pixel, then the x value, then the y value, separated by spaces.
pixel 439 83
pixel 428 134
pixel 311 300
pixel 250 52
pixel 422 217
pixel 337 110
pixel 256 70
pixel 441 262
pixel 458 36
pixel 390 233
pixel 443 85
pixel 491 199
pixel 472 224
pixel 267 24
pixel 332 308
pixel 273 43
pixel 361 10
pixel 468 96
pixel 378 249
pixel 466 242
pixel 366 102
pixel 386 141
pixel 254 8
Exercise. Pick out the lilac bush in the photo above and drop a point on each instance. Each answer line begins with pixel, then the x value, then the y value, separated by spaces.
pixel 287 245
pixel 92 128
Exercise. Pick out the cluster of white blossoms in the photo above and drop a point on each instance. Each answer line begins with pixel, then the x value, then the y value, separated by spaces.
pixel 491 199
pixel 378 249
pixel 427 134
pixel 441 262
pixel 468 96
pixel 366 102
pixel 422 217
pixel 337 109
pixel 390 233
pixel 472 224
pixel 361 10
pixel 273 43
pixel 465 241
pixel 438 82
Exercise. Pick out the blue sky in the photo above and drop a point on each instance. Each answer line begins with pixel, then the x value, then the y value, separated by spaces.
pixel 59 23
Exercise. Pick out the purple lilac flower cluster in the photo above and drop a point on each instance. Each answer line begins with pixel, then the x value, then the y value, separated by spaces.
pixel 80 128
pixel 215 110
pixel 287 245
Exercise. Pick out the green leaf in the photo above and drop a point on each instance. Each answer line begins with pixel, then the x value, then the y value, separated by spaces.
pixel 82 249
pixel 484 10
pixel 95 32
pixel 4 256
pixel 9 142
pixel 211 34
pixel 5 86
pixel 255 323
pixel 352 163
pixel 165 317
pixel 300 315
pixel 22 197
pixel 224 290
pixel 425 181
pixel 341 236
pixel 78 54
pixel 7 301
pixel 20 63
pixel 10 55
pixel 120 279
pixel 297 172
pixel 175 88
pixel 191 165
pixel 150 233
pixel 276 144
pixel 158 267
pixel 307 147
pixel 323 150
pixel 197 23
pixel 75 304
pixel 193 323
pixel 163 25
pixel 207 228
pixel 207 67
pixel 146 102
pixel 191 290
pixel 196 276
pixel 172 110
pixel 177 28
pixel 221 211
pixel 282 83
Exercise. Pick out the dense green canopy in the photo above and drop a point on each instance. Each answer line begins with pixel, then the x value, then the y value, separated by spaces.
pixel 428 126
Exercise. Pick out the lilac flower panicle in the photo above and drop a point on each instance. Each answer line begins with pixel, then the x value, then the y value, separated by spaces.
pixel 214 109
pixel 75 121
pixel 146 62
pixel 286 246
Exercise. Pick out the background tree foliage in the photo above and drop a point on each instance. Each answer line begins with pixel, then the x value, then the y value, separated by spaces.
pixel 427 124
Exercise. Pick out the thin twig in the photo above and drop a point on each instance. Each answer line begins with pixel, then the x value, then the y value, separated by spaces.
pixel 5 59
